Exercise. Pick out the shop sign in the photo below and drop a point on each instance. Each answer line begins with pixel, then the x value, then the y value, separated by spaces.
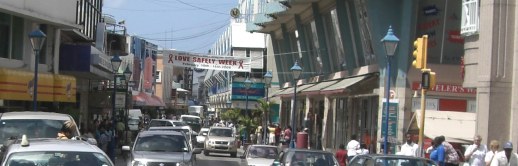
pixel 449 88
pixel 431 104
pixel 392 121
pixel 211 62
pixel 120 100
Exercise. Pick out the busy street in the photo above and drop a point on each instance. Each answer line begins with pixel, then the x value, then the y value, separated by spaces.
pixel 258 83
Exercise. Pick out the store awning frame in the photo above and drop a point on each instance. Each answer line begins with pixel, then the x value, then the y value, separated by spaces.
pixel 439 123
pixel 342 85
pixel 318 87
pixel 300 88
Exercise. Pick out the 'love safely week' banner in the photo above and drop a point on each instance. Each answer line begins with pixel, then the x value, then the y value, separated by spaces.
pixel 211 62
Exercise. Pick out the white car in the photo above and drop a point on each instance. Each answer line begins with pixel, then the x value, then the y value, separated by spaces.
pixel 200 139
pixel 259 155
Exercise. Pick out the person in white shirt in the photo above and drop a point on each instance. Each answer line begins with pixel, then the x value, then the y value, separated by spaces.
pixel 363 149
pixel 493 149
pixel 353 148
pixel 409 148
pixel 475 154
pixel 506 157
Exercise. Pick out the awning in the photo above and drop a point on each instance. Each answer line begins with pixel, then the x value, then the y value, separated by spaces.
pixel 274 8
pixel 156 101
pixel 139 99
pixel 65 88
pixel 340 86
pixel 145 100
pixel 251 27
pixel 289 91
pixel 439 123
pixel 261 19
pixel 319 86
pixel 275 93
pixel 181 90
pixel 18 85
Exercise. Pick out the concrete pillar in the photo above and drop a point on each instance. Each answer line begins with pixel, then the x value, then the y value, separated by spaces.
pixel 327 104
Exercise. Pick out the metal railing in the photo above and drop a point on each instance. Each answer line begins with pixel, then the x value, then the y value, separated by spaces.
pixel 470 17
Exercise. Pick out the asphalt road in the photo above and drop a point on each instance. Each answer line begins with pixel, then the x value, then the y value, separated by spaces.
pixel 216 159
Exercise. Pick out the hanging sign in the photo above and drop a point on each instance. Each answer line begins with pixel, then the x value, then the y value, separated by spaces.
pixel 211 62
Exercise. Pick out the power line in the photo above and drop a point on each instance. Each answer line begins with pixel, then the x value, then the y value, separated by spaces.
pixel 149 10
pixel 186 37
pixel 186 28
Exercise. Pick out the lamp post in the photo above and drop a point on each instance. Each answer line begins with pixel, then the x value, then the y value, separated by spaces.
pixel 127 75
pixel 267 81
pixel 116 63
pixel 296 71
pixel 248 83
pixel 37 39
pixel 390 42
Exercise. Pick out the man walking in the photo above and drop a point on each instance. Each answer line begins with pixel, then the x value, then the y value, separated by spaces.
pixel 353 148
pixel 475 154
pixel 506 157
pixel 409 148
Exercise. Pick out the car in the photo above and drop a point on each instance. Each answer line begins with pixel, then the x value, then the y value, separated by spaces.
pixel 52 151
pixel 304 157
pixel 161 148
pixel 259 155
pixel 392 160
pixel 202 135
pixel 35 124
pixel 194 121
pixel 184 129
pixel 165 122
pixel 220 140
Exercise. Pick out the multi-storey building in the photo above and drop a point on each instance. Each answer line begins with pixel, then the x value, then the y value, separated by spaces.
pixel 341 90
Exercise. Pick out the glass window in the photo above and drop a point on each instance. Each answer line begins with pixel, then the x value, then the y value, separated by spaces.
pixel 5 22
pixel 58 158
pixel 34 128
pixel 43 51
pixel 365 32
pixel 334 41
pixel 161 143
pixel 221 132
pixel 11 37
pixel 262 152
pixel 313 47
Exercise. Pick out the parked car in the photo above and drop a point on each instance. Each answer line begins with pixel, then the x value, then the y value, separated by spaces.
pixel 161 148
pixel 259 155
pixel 220 140
pixel 52 151
pixel 391 160
pixel 304 157
pixel 200 139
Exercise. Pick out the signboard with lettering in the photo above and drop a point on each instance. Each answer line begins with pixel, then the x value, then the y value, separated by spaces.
pixel 431 104
pixel 450 88
pixel 255 92
pixel 120 100
pixel 212 62
pixel 392 122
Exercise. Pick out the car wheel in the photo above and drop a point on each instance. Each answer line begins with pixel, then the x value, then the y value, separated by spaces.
pixel 233 154
pixel 206 153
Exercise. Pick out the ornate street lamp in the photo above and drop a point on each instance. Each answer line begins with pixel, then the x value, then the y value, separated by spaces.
pixel 37 40
pixel 116 63
pixel 390 42
pixel 267 82
pixel 296 71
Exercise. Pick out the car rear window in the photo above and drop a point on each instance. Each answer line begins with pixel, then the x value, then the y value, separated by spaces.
pixel 33 128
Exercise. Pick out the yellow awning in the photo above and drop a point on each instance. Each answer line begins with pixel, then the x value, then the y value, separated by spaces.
pixel 64 88
pixel 18 85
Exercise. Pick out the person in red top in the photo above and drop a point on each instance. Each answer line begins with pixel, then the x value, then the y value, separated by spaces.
pixel 287 135
pixel 277 134
pixel 341 155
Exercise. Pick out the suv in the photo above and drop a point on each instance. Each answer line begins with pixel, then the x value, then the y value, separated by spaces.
pixel 161 148
pixel 52 151
pixel 220 140
pixel 34 124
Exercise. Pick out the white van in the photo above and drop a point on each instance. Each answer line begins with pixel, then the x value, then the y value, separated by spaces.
pixel 134 117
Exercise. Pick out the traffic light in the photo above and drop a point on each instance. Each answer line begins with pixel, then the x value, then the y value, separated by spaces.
pixel 420 52
pixel 428 79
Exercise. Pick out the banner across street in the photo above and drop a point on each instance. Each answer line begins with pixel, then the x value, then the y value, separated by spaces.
pixel 211 62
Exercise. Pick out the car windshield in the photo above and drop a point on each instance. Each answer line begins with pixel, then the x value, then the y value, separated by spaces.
pixel 191 120
pixel 403 162
pixel 262 152
pixel 33 128
pixel 312 158
pixel 179 124
pixel 161 143
pixel 58 158
pixel 220 132
pixel 186 131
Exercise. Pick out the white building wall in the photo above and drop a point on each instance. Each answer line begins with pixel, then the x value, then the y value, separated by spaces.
pixel 43 11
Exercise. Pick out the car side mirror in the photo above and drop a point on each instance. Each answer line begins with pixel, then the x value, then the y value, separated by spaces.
pixel 126 148
pixel 196 151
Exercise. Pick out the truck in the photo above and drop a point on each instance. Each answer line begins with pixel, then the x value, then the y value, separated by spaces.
pixel 196 111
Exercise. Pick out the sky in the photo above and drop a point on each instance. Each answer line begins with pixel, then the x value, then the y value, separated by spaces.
pixel 184 25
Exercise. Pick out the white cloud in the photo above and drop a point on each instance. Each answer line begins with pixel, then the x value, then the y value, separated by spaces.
pixel 114 3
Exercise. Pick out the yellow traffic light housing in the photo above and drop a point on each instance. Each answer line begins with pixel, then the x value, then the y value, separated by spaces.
pixel 433 80
pixel 428 79
pixel 420 52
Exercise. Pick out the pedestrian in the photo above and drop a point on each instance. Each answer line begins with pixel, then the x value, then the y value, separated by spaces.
pixel 410 147
pixel 452 157
pixel 475 154
pixel 278 132
pixel 438 153
pixel 493 149
pixel 505 157
pixel 67 130
pixel 353 148
pixel 341 155
pixel 363 149
pixel 287 135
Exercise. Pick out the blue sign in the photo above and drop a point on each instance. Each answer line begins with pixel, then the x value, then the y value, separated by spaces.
pixel 255 92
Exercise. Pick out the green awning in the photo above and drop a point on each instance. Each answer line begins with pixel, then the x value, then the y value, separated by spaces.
pixel 318 87
pixel 275 7
pixel 341 85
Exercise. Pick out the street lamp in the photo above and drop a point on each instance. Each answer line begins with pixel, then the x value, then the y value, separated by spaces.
pixel 390 42
pixel 116 63
pixel 296 71
pixel 37 39
pixel 248 84
pixel 267 81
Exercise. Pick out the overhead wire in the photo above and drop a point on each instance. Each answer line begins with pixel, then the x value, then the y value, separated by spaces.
pixel 187 37
pixel 186 28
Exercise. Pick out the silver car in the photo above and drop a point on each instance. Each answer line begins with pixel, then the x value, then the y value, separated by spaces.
pixel 163 148
pixel 259 155
pixel 166 122
pixel 220 140
pixel 52 151
pixel 186 130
